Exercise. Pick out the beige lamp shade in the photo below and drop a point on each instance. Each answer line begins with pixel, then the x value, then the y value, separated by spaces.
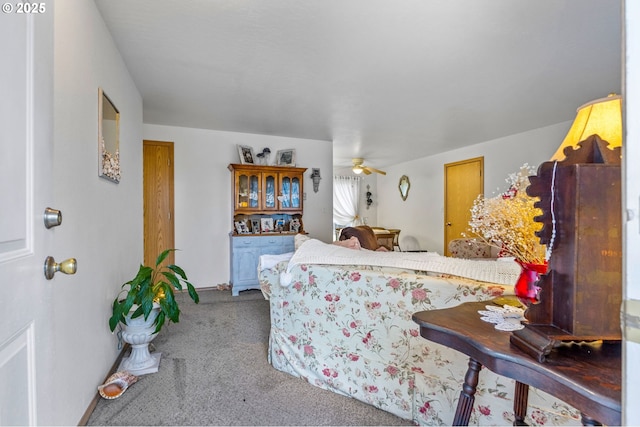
pixel 602 117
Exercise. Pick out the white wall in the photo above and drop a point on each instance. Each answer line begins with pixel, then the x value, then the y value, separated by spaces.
pixel 203 205
pixel 369 216
pixel 422 214
pixel 102 221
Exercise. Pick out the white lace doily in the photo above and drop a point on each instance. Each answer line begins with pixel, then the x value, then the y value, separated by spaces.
pixel 506 318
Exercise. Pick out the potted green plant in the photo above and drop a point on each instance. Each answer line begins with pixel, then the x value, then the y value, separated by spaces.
pixel 148 303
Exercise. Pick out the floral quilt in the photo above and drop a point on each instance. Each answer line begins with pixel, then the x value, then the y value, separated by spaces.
pixel 349 329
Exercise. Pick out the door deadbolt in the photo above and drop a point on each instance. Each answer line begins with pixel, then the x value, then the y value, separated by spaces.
pixel 52 217
pixel 68 266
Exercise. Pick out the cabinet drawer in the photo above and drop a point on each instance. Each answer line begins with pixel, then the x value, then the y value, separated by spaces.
pixel 272 241
pixel 283 243
pixel 246 242
pixel 288 246
pixel 277 241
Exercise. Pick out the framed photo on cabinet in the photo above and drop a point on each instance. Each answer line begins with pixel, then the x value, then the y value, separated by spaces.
pixel 294 225
pixel 241 227
pixel 266 225
pixel 255 226
pixel 246 155
pixel 286 157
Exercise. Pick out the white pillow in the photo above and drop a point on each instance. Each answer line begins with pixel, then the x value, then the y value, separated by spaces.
pixel 299 240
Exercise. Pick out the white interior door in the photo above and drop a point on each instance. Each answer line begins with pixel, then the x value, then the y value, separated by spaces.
pixel 26 114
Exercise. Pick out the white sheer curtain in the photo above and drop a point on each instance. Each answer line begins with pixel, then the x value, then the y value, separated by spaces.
pixel 346 196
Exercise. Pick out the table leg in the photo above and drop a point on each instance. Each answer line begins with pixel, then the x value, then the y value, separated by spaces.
pixel 467 395
pixel 520 403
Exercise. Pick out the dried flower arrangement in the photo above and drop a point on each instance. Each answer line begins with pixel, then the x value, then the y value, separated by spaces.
pixel 110 163
pixel 507 221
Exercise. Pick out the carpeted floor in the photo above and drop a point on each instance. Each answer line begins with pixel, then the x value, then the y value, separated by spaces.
pixel 214 371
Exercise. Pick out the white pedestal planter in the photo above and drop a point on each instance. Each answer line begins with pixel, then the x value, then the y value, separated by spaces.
pixel 138 333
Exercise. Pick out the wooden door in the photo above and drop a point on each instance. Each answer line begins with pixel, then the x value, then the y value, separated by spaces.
pixel 463 182
pixel 28 300
pixel 158 200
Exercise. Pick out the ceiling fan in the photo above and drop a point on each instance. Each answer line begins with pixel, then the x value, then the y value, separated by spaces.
pixel 358 167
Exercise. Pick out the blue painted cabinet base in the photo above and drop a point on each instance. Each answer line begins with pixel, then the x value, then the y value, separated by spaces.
pixel 245 254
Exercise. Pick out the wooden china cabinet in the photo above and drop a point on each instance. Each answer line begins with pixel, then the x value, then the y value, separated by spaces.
pixel 267 213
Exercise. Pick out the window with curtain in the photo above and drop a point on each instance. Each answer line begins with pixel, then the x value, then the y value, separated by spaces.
pixel 346 196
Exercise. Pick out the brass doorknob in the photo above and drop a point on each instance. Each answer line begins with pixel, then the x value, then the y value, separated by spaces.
pixel 68 266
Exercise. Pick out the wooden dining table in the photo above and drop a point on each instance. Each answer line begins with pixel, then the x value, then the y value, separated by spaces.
pixel 387 237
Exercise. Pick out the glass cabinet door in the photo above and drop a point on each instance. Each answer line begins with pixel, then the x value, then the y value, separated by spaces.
pixel 242 188
pixel 291 192
pixel 254 190
pixel 295 192
pixel 248 190
pixel 270 186
pixel 285 192
pixel 267 190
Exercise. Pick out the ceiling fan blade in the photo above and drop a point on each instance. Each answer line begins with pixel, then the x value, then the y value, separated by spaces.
pixel 358 164
pixel 376 170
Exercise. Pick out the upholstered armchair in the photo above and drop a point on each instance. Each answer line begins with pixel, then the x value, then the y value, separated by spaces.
pixel 471 248
pixel 364 234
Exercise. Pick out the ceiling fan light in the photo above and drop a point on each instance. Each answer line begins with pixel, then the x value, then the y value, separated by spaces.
pixel 357 170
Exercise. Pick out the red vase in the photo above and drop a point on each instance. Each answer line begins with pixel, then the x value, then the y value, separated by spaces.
pixel 526 290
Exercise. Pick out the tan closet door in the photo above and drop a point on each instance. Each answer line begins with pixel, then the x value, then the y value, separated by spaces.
pixel 463 181
pixel 158 200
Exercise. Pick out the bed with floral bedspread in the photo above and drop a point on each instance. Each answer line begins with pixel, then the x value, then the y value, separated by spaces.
pixel 349 329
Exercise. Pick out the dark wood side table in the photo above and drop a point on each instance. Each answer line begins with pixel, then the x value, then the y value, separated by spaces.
pixel 584 375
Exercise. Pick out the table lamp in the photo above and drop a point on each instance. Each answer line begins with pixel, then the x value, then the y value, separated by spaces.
pixel 602 117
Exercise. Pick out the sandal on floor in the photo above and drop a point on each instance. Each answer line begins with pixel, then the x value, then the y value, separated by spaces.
pixel 116 384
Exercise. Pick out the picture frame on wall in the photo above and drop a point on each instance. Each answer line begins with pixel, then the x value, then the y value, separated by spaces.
pixel 286 157
pixel 247 157
pixel 108 138
pixel 266 225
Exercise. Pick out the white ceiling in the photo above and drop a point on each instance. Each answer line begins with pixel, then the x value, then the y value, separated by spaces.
pixel 386 80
